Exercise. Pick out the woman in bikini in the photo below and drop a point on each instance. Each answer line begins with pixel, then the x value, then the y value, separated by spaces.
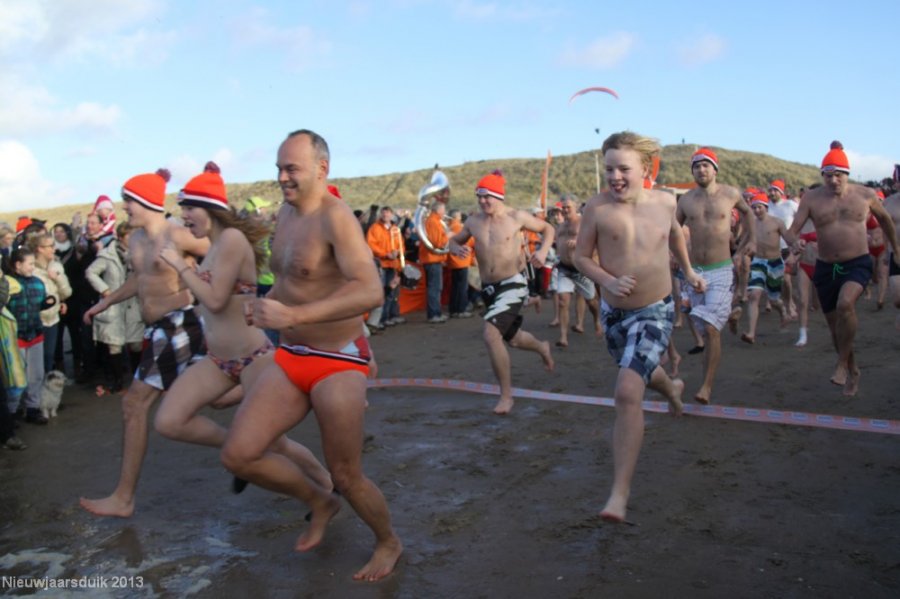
pixel 237 353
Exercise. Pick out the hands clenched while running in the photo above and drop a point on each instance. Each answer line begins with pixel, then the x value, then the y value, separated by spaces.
pixel 622 286
pixel 267 314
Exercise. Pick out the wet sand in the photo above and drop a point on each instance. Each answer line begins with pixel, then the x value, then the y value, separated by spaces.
pixel 492 506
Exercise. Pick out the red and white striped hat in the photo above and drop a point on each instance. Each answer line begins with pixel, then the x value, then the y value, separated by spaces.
pixel 148 190
pixel 206 190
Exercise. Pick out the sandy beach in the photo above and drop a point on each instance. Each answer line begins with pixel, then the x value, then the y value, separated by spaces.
pixel 492 506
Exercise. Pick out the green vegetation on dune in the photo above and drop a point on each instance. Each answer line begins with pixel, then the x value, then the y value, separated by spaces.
pixel 572 173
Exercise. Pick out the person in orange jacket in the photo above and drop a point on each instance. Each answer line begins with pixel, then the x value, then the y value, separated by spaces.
pixel 433 262
pixel 459 272
pixel 386 242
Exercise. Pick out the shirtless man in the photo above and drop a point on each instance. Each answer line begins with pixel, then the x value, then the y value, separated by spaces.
pixel 839 210
pixel 706 211
pixel 569 280
pixel 784 208
pixel 892 207
pixel 324 282
pixel 173 335
pixel 633 230
pixel 767 266
pixel 498 250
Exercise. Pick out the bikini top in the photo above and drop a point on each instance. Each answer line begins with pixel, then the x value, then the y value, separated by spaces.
pixel 240 287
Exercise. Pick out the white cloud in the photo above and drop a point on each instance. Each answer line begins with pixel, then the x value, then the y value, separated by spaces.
pixel 110 31
pixel 602 53
pixel 302 46
pixel 31 109
pixel 869 167
pixel 702 50
pixel 186 167
pixel 21 183
pixel 21 22
pixel 480 11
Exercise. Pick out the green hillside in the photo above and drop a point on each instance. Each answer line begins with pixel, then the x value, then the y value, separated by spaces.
pixel 573 173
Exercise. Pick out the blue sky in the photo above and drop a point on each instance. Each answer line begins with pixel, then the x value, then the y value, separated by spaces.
pixel 95 91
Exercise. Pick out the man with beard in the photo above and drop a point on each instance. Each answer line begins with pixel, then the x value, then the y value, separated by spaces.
pixel 706 211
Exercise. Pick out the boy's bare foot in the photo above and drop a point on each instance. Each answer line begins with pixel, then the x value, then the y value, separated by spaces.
pixel 108 506
pixel 747 338
pixel 504 406
pixel 676 406
pixel 614 511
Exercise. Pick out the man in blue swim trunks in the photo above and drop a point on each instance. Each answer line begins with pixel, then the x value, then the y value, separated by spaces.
pixel 633 229
pixel 839 210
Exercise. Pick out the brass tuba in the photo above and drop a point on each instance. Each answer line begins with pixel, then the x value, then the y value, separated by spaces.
pixel 438 189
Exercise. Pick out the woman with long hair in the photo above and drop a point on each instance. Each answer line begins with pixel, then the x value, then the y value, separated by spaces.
pixel 237 353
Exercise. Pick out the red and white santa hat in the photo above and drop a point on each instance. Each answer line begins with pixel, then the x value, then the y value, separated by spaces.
pixel 102 202
pixel 493 185
pixel 836 160
pixel 778 185
pixel 707 155
pixel 760 198
pixel 206 190
pixel 148 190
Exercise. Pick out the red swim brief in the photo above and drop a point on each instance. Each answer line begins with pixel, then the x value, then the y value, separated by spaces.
pixel 306 366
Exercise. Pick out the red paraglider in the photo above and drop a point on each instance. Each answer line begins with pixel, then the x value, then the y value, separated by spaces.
pixel 607 90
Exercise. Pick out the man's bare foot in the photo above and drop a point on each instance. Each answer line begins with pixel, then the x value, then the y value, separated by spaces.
pixel 578 328
pixel 747 338
pixel 504 406
pixel 852 384
pixel 546 356
pixel 734 318
pixel 553 323
pixel 839 377
pixel 702 396
pixel 598 328
pixel 382 562
pixel 108 506
pixel 321 516
pixel 562 343
pixel 676 406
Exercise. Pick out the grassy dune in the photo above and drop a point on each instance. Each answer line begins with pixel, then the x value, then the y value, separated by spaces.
pixel 572 173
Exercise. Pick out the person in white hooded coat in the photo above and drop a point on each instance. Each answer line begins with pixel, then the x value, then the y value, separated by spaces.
pixel 120 325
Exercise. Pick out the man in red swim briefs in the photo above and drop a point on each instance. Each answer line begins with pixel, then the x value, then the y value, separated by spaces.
pixel 324 282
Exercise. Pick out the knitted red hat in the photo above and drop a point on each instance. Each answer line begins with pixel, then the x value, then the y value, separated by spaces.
pixel 760 198
pixel 148 190
pixel 707 155
pixel 206 190
pixel 493 185
pixel 777 184
pixel 103 202
pixel 836 159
